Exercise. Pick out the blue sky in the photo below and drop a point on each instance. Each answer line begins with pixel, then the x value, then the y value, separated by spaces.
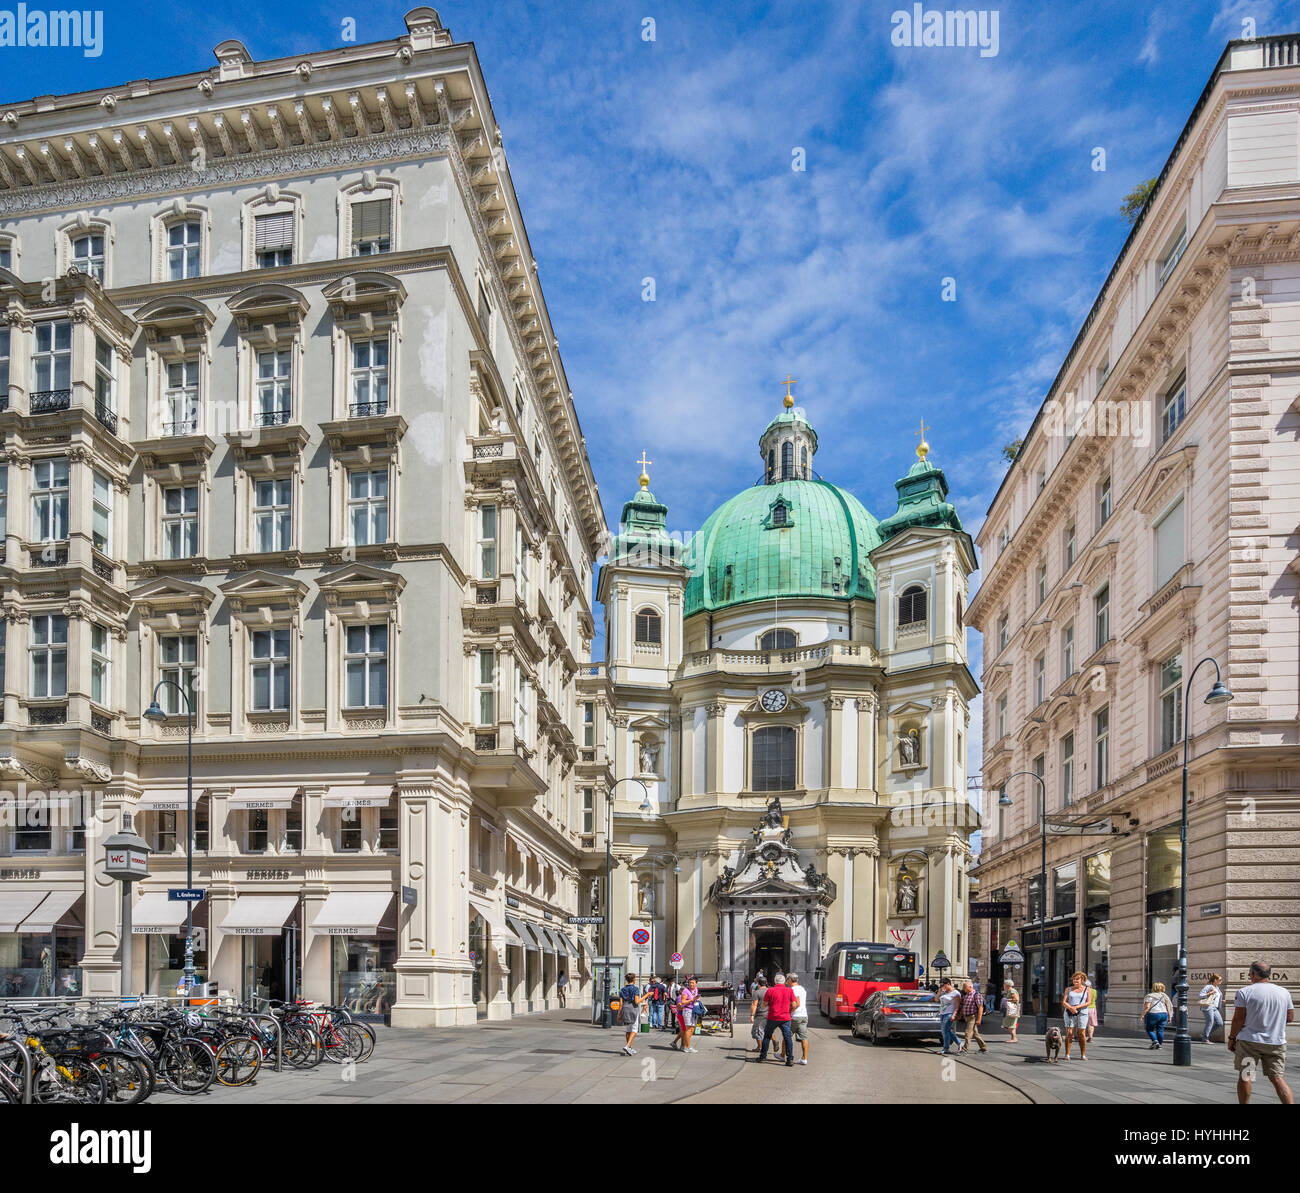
pixel 671 159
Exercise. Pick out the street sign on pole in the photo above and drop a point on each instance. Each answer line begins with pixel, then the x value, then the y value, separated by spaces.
pixel 585 919
pixel 183 894
pixel 676 960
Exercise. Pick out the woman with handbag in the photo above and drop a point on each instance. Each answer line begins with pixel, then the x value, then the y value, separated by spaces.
pixel 1211 1000
pixel 1156 1010
pixel 1010 1008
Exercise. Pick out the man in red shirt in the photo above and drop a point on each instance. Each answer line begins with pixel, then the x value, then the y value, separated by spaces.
pixel 781 1001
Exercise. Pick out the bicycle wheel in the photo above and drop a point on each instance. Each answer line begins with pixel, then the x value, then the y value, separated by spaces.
pixel 188 1066
pixel 346 1042
pixel 369 1033
pixel 69 1080
pixel 302 1046
pixel 129 1079
pixel 238 1061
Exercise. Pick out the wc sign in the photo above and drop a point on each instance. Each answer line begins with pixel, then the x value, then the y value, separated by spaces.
pixel 126 862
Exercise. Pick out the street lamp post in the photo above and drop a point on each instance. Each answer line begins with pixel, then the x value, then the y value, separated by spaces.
pixel 1040 1015
pixel 1219 694
pixel 155 713
pixel 607 1015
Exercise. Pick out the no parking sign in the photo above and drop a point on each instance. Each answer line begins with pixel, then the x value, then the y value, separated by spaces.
pixel 676 960
pixel 641 943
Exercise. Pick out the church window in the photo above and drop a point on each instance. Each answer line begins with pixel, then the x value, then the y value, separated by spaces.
pixel 787 460
pixel 649 627
pixel 911 605
pixel 804 461
pixel 774 758
pixel 777 640
pixel 779 514
pixel 771 465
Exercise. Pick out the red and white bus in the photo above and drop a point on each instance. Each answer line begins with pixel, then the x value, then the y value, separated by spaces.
pixel 854 970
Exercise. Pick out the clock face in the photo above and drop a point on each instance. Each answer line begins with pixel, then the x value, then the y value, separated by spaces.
pixel 773 700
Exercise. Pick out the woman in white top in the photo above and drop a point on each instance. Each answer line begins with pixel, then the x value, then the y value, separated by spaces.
pixel 1211 999
pixel 1156 1010
pixel 1075 1007
pixel 1010 1008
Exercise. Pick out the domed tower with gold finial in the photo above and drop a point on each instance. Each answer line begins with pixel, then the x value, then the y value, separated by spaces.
pixel 789 443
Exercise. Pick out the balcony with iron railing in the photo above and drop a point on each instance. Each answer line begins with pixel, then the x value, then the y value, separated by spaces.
pixel 368 409
pixel 49 401
pixel 272 418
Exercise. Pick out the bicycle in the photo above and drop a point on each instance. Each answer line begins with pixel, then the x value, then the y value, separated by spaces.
pixel 63 1078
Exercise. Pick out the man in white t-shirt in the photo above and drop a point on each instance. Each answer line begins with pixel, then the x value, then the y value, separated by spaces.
pixel 799 1015
pixel 1257 1037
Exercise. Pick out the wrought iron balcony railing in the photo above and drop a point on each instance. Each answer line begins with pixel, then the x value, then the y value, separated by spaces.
pixel 49 401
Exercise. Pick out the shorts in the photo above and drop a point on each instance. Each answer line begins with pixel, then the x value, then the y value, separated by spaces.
pixel 1077 1019
pixel 1270 1059
pixel 799 1028
pixel 756 1029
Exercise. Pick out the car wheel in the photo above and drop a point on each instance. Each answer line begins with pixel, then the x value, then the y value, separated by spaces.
pixel 875 1037
pixel 853 1030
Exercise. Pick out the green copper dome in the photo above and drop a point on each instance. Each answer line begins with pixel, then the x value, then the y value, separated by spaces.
pixel 788 539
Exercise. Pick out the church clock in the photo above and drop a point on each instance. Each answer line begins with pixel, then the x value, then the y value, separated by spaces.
pixel 773 700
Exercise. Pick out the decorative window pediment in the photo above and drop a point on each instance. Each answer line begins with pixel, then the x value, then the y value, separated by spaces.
pixel 361 590
pixel 260 311
pixel 1169 473
pixel 365 301
pixel 175 327
pixel 1063 603
pixel 1098 562
pixel 169 600
pixel 264 596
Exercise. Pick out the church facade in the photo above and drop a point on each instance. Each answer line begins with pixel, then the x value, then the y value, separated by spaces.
pixel 788 699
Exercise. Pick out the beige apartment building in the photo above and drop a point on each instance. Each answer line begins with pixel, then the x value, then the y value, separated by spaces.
pixel 285 425
pixel 1149 522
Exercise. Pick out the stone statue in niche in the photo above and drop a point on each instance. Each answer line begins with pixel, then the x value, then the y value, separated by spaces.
pixel 593 897
pixel 909 749
pixel 649 758
pixel 906 901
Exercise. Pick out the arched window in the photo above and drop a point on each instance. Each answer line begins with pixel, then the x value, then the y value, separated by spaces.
pixel 779 514
pixel 959 614
pixel 787 460
pixel 771 465
pixel 911 605
pixel 774 758
pixel 649 627
pixel 777 640
pixel 804 461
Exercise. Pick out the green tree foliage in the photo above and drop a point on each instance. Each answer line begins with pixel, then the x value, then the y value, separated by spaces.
pixel 1136 199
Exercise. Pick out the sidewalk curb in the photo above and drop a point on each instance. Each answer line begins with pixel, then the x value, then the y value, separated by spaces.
pixel 1033 1091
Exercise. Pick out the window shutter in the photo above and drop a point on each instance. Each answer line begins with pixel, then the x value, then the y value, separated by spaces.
pixel 274 231
pixel 1169 545
pixel 371 220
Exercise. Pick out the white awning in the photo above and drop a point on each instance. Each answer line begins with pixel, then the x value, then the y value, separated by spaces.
pixel 544 938
pixel 164 801
pixel 49 912
pixel 16 906
pixel 259 915
pixel 526 939
pixel 249 798
pixel 375 796
pixel 156 915
pixel 352 913
pixel 565 943
pixel 585 946
pixel 499 927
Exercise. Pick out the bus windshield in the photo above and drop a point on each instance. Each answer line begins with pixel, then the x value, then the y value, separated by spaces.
pixel 878 967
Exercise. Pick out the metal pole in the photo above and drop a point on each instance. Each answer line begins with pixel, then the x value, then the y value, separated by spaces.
pixel 605 1015
pixel 189 846
pixel 1040 1019
pixel 1182 1038
pixel 126 937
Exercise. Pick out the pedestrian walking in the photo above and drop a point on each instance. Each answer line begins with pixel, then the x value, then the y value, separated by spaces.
pixel 970 1014
pixel 1156 1009
pixel 671 1006
pixel 1257 1038
pixel 1074 1005
pixel 740 990
pixel 657 997
pixel 757 1013
pixel 629 1014
pixel 781 1003
pixel 687 997
pixel 1010 1008
pixel 799 1016
pixel 561 986
pixel 1092 1007
pixel 1211 1003
pixel 779 980
pixel 948 1000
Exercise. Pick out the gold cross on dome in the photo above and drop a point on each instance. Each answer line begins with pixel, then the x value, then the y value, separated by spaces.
pixel 645 476
pixel 923 448
pixel 789 397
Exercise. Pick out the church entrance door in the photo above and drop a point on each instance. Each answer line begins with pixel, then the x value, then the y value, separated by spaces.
pixel 769 948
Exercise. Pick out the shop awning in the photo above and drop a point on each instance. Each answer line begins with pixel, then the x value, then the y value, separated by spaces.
pixel 259 915
pixel 49 911
pixel 16 906
pixel 585 946
pixel 521 930
pixel 252 798
pixel 498 925
pixel 156 914
pixel 352 913
pixel 565 943
pixel 165 801
pixel 377 796
pixel 544 938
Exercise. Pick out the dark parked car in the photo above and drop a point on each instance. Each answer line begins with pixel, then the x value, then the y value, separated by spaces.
pixel 901 1014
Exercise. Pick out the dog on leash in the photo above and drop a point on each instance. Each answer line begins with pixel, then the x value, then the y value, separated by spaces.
pixel 1054 1045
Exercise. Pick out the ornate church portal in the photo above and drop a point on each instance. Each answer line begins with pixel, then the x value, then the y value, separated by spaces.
pixel 796 655
pixel 771 912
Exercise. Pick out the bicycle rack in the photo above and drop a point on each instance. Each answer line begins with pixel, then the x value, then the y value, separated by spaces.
pixel 279 1042
pixel 27 1069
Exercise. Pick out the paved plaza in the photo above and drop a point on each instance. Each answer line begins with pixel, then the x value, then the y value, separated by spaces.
pixel 560 1057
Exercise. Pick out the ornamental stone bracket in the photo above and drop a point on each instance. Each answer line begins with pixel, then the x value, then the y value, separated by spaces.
pixel 87 768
